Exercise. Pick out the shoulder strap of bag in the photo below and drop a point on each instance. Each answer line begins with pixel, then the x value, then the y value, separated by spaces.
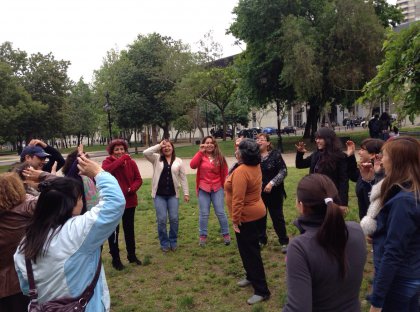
pixel 85 296
pixel 33 293
pixel 88 293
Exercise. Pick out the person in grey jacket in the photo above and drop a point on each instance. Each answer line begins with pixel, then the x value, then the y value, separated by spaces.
pixel 168 175
pixel 325 263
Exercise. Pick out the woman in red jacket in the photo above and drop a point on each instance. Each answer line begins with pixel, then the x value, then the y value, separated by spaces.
pixel 125 170
pixel 211 174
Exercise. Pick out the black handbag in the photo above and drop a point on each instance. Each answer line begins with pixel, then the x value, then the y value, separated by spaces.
pixel 66 304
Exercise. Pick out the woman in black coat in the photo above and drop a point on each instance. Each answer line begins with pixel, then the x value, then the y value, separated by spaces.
pixel 328 159
pixel 274 171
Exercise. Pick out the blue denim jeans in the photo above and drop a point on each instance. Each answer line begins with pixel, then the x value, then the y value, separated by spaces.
pixel 204 200
pixel 403 296
pixel 167 205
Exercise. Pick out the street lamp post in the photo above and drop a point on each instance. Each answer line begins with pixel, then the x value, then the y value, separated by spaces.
pixel 207 120
pixel 107 108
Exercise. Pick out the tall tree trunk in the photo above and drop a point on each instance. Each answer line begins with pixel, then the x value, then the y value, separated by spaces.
pixel 222 112
pixel 154 135
pixel 201 132
pixel 166 134
pixel 176 137
pixel 279 137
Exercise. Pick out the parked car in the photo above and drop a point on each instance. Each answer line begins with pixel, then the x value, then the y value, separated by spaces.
pixel 219 133
pixel 269 130
pixel 249 133
pixel 288 130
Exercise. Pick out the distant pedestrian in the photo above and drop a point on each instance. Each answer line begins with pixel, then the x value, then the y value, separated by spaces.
pixel 385 126
pixel 374 127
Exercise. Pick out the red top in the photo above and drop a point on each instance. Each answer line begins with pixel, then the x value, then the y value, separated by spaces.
pixel 209 177
pixel 125 170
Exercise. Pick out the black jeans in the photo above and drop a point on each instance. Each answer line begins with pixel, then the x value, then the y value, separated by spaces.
pixel 16 303
pixel 274 203
pixel 128 226
pixel 249 249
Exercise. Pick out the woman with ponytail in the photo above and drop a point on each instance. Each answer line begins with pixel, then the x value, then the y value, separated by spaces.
pixel 325 263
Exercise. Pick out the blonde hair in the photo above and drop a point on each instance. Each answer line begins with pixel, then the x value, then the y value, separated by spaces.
pixel 12 190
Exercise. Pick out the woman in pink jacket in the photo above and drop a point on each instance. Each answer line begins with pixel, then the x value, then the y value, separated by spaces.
pixel 212 170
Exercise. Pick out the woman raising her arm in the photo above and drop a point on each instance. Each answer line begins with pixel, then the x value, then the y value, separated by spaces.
pixel 168 174
pixel 63 246
pixel 125 170
pixel 212 170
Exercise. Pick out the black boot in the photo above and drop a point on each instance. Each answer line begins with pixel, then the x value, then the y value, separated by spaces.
pixel 133 259
pixel 117 264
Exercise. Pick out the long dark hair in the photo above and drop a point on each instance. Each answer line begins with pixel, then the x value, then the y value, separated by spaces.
pixel 217 154
pixel 312 191
pixel 404 172
pixel 54 207
pixel 69 162
pixel 332 151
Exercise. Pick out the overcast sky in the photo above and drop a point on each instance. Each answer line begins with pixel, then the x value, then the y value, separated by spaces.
pixel 82 31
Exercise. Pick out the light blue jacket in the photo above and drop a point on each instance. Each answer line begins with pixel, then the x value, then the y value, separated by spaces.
pixel 70 262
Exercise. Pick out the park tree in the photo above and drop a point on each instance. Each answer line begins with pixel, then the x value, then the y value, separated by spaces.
pixel 106 82
pixel 311 51
pixel 15 58
pixel 20 117
pixel 82 114
pixel 46 80
pixel 214 85
pixel 398 76
pixel 152 66
pixel 388 14
pixel 141 82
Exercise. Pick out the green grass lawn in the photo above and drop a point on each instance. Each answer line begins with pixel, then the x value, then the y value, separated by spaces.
pixel 201 279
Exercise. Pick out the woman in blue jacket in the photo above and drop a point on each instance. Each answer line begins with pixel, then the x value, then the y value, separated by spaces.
pixel 65 247
pixel 396 241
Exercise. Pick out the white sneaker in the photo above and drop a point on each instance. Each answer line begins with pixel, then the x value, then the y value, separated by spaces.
pixel 255 299
pixel 243 283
